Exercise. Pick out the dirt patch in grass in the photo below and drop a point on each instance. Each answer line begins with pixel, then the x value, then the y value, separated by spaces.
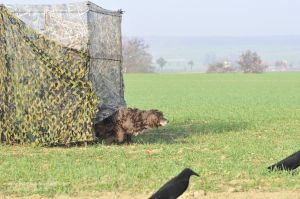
pixel 193 195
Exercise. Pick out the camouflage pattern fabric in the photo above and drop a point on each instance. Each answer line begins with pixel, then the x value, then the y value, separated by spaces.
pixel 50 91
pixel 60 71
pixel 84 26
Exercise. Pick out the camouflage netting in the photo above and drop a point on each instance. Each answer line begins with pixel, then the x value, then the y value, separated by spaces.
pixel 54 69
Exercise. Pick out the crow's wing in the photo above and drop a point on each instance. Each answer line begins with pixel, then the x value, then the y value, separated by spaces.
pixel 172 189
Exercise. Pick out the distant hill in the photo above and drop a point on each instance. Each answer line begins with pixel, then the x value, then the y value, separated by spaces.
pixel 204 50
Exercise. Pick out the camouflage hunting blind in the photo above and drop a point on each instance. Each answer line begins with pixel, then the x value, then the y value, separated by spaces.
pixel 60 71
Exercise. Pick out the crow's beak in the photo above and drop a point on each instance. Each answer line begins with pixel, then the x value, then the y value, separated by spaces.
pixel 196 174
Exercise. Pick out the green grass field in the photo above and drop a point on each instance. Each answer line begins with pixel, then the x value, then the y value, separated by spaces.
pixel 227 127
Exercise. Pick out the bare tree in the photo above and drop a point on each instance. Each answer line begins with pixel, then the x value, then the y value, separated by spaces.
pixel 136 57
pixel 250 62
pixel 191 64
pixel 161 62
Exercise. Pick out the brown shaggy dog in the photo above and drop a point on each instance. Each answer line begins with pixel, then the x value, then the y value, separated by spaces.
pixel 127 122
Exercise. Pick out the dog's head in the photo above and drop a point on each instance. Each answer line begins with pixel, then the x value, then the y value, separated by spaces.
pixel 155 118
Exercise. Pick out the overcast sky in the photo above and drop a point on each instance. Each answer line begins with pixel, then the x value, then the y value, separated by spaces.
pixel 201 17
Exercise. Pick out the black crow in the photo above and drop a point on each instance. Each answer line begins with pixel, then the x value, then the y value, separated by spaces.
pixel 175 187
pixel 289 163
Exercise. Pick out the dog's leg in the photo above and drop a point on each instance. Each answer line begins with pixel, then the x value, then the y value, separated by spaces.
pixel 120 136
pixel 128 138
pixel 109 140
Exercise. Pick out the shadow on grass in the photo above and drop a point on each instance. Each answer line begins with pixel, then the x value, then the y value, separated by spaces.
pixel 177 133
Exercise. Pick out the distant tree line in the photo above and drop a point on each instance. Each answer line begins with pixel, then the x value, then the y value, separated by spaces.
pixel 137 58
pixel 249 62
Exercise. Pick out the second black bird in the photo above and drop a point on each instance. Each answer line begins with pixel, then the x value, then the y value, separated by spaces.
pixel 176 186
pixel 289 163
